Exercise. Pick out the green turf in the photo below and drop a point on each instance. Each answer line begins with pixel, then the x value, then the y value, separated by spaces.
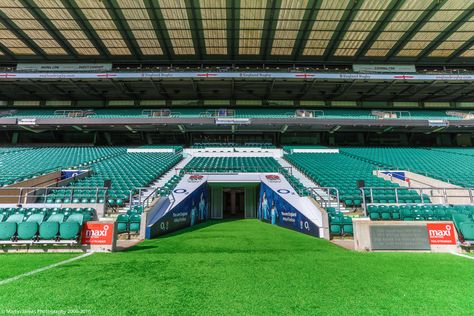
pixel 247 267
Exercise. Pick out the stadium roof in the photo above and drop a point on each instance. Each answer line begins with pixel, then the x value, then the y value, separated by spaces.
pixel 317 31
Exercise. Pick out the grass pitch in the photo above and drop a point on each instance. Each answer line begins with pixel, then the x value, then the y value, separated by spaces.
pixel 239 267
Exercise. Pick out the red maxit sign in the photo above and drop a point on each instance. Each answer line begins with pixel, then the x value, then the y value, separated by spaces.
pixel 441 234
pixel 97 233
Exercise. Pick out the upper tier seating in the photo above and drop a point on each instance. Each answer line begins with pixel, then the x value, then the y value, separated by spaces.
pixel 256 113
pixel 450 165
pixel 230 144
pixel 342 172
pixel 26 163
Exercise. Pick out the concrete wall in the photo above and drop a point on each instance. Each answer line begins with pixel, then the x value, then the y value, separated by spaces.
pixel 362 240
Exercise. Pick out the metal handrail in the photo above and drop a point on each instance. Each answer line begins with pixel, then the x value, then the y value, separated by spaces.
pixel 323 201
pixel 431 191
pixel 26 193
pixel 423 173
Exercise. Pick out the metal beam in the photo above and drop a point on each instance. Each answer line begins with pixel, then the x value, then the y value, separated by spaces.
pixel 117 15
pixel 458 52
pixel 21 35
pixel 48 26
pixel 424 17
pixel 157 20
pixel 306 27
pixel 340 31
pixel 86 27
pixel 194 16
pixel 464 17
pixel 233 26
pixel 379 27
pixel 269 26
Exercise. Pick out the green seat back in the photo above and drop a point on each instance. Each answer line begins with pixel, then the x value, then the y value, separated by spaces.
pixel 49 230
pixel 27 230
pixel 69 230
pixel 15 218
pixel 467 230
pixel 37 218
pixel 7 230
pixel 59 218
pixel 78 218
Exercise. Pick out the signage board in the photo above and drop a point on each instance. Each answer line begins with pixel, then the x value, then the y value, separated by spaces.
pixel 385 237
pixel 441 233
pixel 94 233
pixel 63 67
pixel 383 68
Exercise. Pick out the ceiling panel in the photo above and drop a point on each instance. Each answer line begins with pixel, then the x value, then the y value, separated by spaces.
pixel 237 31
pixel 99 18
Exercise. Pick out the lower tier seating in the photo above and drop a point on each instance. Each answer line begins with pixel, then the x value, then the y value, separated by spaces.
pixel 126 172
pixel 461 215
pixel 339 224
pixel 343 172
pixel 452 165
pixel 45 224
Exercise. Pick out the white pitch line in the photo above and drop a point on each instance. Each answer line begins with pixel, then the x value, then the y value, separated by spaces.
pixel 5 281
pixel 462 255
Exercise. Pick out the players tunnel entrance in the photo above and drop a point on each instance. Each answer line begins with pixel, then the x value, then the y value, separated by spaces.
pixel 233 200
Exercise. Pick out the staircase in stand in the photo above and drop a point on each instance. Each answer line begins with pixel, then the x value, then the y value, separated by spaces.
pixel 307 182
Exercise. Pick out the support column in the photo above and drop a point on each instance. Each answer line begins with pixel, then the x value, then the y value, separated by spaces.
pixel 232 202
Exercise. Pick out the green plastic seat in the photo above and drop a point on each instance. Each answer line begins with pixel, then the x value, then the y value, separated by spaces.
pixel 59 218
pixel 49 230
pixel 122 223
pixel 335 229
pixel 15 218
pixel 135 221
pixel 69 230
pixel 467 230
pixel 78 218
pixel 27 230
pixel 7 230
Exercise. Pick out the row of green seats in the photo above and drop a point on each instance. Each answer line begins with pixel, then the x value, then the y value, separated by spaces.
pixel 35 161
pixel 36 227
pixel 339 224
pixel 87 213
pixel 341 172
pixel 128 223
pixel 461 215
pixel 126 172
pixel 236 112
pixel 233 164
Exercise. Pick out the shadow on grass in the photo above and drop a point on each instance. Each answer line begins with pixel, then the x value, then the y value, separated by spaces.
pixel 185 230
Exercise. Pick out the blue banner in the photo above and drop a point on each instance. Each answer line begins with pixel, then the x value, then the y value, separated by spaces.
pixel 276 210
pixel 66 174
pixel 396 174
pixel 190 211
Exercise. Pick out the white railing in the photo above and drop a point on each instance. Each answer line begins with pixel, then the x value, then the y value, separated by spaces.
pixel 329 197
pixel 442 195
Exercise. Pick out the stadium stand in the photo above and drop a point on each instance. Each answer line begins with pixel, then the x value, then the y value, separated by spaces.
pixel 25 163
pixel 40 225
pixel 314 113
pixel 141 169
pixel 451 166
pixel 343 172
pixel 233 164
